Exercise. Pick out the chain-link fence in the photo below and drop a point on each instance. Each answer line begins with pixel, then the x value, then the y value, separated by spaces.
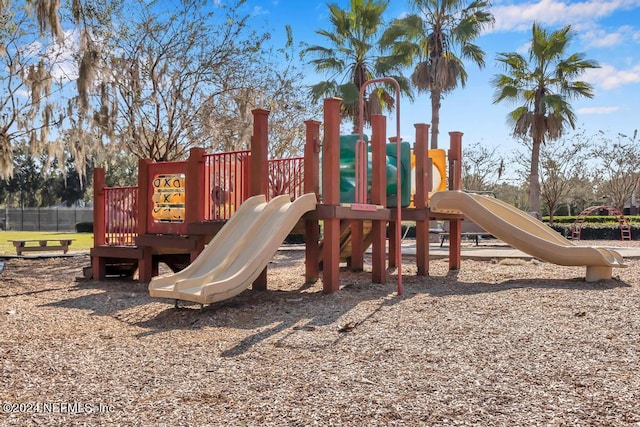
pixel 43 219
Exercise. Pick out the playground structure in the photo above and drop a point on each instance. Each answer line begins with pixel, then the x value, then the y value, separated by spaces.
pixel 178 207
pixel 623 223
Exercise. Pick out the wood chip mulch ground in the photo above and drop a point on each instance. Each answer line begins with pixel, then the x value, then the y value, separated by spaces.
pixel 497 343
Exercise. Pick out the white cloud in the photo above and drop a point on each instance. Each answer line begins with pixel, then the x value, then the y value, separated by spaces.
pixel 609 77
pixel 22 93
pixel 600 38
pixel 524 49
pixel 548 12
pixel 598 110
pixel 63 67
pixel 259 10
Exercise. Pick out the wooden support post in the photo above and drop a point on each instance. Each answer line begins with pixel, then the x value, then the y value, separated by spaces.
pixel 312 185
pixel 455 184
pixel 145 264
pixel 379 196
pixel 144 202
pixel 194 184
pixel 99 267
pixel 99 226
pixel 147 267
pixel 423 171
pixel 194 196
pixel 259 176
pixel 246 177
pixel 331 194
pixel 259 182
pixel 356 263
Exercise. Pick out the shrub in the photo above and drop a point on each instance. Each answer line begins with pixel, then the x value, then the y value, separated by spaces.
pixel 592 219
pixel 84 227
pixel 598 231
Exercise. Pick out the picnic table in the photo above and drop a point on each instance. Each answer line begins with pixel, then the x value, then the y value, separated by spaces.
pixel 469 229
pixel 37 245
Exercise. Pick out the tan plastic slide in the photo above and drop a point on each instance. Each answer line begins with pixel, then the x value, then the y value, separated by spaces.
pixel 526 233
pixel 237 255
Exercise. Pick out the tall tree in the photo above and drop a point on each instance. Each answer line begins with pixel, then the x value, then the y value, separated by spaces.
pixel 25 187
pixel 274 83
pixel 439 37
pixel 37 71
pixel 353 55
pixel 542 87
pixel 482 167
pixel 618 170
pixel 561 168
pixel 158 77
pixel 162 91
pixel 28 65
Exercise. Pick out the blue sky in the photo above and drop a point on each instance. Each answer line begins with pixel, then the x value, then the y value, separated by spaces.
pixel 607 31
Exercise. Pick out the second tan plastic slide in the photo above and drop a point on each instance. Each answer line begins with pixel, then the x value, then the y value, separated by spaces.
pixel 243 250
pixel 246 214
pixel 524 232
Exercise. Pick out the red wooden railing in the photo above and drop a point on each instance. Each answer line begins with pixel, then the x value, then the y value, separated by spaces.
pixel 121 209
pixel 286 176
pixel 226 183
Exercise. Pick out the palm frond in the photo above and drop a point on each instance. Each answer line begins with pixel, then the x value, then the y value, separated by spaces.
pixel 474 53
pixel 421 77
pixel 349 92
pixel 522 119
pixel 554 124
pixel 506 90
pixel 323 89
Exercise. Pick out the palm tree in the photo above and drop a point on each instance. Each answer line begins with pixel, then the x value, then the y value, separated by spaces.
pixel 542 87
pixel 355 56
pixel 439 37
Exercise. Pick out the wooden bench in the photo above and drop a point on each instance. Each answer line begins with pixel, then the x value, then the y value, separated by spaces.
pixel 36 245
pixel 469 229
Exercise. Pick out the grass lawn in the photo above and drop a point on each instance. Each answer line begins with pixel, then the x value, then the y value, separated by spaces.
pixel 82 241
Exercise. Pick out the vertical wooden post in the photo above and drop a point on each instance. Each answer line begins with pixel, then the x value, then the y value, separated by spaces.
pixel 312 185
pixel 146 266
pixel 420 198
pixel 259 175
pixel 379 196
pixel 99 229
pixel 144 204
pixel 195 195
pixel 246 176
pixel 194 185
pixel 331 194
pixel 455 184
pixel 356 263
